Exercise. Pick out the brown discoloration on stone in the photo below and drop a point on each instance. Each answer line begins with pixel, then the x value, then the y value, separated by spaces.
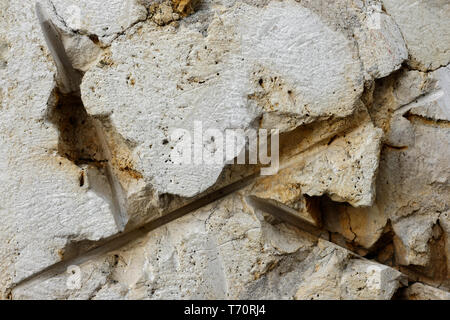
pixel 121 150
pixel 436 271
pixel 131 172
pixel 416 119
pixel 106 59
pixel 184 7
pixel 4 47
pixel 61 253
pixel 78 140
pixel 168 12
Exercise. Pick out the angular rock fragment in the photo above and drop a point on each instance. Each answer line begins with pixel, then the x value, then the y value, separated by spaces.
pixel 391 94
pixel 95 17
pixel 424 25
pixel 413 183
pixel 380 44
pixel 298 70
pixel 420 291
pixel 288 197
pixel 436 106
pixel 344 167
pixel 335 275
pixel 82 50
pixel 347 168
pixel 288 187
pixel 160 79
pixel 362 226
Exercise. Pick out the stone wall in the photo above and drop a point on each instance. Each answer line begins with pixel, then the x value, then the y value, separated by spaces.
pixel 94 206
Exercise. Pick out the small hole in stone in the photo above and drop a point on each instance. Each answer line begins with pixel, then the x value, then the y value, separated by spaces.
pixel 82 179
pixel 94 38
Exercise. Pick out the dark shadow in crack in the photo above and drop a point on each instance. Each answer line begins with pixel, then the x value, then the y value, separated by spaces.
pixel 78 139
pixel 81 141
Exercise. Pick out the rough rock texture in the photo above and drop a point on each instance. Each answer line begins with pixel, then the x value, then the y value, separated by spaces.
pixel 425 28
pixel 416 133
pixel 170 74
pixel 94 17
pixel 347 164
pixel 225 251
pixel 419 291
pixel 93 204
pixel 375 34
pixel 43 206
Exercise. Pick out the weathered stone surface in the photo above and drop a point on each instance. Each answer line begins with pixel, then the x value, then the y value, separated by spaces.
pixel 436 106
pixel 414 193
pixel 43 205
pixel 76 172
pixel 81 49
pixel 419 291
pixel 444 222
pixel 170 73
pixel 335 277
pixel 381 47
pixel 424 25
pixel 392 93
pixel 289 197
pixel 362 226
pixel 94 17
pixel 344 168
pixel 225 250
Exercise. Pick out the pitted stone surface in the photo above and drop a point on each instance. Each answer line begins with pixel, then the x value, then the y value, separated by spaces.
pixel 359 90
pixel 161 79
pixel 43 208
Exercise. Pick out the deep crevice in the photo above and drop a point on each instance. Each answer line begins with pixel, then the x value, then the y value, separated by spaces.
pixel 78 139
pixel 81 137
pixel 414 118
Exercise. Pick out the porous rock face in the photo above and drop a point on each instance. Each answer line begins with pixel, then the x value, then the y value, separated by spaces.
pixel 93 204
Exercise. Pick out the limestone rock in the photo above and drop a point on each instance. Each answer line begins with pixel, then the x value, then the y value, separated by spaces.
pixel 347 164
pixel 424 25
pixel 81 49
pixel 158 80
pixel 334 276
pixel 184 6
pixel 289 198
pixel 418 130
pixel 44 205
pixel 362 226
pixel 393 93
pixel 419 291
pixel 163 13
pixel 436 106
pixel 94 17
pixel 94 203
pixel 380 44
pixel 225 250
